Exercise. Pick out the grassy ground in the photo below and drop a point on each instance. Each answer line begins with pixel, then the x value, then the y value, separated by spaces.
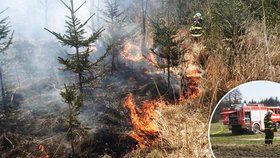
pixel 224 144
pixel 183 134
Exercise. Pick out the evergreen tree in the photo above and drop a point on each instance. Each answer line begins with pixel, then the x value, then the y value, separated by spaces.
pixel 165 45
pixel 270 101
pixel 185 10
pixel 182 11
pixel 115 24
pixel 5 42
pixel 267 8
pixel 227 21
pixel 74 37
pixel 252 102
pixel 78 63
pixel 144 10
pixel 74 126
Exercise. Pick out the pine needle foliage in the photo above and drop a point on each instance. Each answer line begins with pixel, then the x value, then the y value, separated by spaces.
pixel 5 42
pixel 79 63
pixel 74 101
pixel 227 23
pixel 167 49
pixel 5 39
pixel 112 11
pixel 269 8
pixel 75 37
pixel 116 24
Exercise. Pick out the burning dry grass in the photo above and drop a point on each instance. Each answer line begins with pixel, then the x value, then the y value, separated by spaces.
pixel 16 145
pixel 131 52
pixel 143 120
pixel 183 133
pixel 183 129
pixel 167 130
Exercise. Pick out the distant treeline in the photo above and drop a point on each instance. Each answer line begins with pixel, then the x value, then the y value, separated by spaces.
pixel 268 101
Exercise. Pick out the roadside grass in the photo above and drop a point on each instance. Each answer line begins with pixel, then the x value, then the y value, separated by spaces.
pixel 226 145
pixel 220 134
pixel 246 150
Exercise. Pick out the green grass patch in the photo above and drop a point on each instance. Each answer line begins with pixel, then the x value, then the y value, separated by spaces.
pixel 220 134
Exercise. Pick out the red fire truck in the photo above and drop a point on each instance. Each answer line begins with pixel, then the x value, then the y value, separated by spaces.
pixel 249 117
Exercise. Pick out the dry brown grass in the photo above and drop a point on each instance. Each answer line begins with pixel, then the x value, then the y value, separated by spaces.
pixel 184 128
pixel 257 59
pixel 254 60
pixel 183 134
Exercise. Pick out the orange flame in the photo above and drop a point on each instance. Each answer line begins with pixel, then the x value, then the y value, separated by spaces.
pixel 42 151
pixel 41 148
pixel 142 119
pixel 151 59
pixel 131 52
pixel 190 84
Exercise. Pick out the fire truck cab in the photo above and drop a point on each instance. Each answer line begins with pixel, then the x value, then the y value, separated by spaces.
pixel 249 117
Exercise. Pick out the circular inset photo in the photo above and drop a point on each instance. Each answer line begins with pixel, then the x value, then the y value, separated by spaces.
pixel 246 122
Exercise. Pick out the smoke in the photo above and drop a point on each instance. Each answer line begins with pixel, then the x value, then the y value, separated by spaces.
pixel 29 17
pixel 32 58
pixel 33 66
pixel 32 77
pixel 33 80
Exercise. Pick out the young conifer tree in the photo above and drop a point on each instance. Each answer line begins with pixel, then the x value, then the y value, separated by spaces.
pixel 80 64
pixel 166 48
pixel 74 126
pixel 75 37
pixel 115 23
pixel 5 42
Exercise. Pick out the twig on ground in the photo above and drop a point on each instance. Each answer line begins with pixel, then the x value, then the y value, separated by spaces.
pixel 9 141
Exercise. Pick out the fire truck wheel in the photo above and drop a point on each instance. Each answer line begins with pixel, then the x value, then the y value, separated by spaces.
pixel 256 128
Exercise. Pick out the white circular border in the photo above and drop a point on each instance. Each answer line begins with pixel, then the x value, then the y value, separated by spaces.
pixel 210 120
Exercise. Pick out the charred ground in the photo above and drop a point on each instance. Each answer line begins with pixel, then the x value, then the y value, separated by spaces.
pixel 36 115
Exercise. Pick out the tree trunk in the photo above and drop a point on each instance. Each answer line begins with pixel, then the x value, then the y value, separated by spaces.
pixel 46 13
pixel 144 31
pixel 73 149
pixel 168 73
pixel 80 72
pixel 4 103
pixel 113 66
pixel 70 134
pixel 80 75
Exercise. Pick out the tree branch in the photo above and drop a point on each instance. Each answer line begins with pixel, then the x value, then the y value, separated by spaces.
pixel 79 6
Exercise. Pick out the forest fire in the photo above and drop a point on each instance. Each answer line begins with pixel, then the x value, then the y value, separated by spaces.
pixel 42 152
pixel 192 91
pixel 145 131
pixel 39 152
pixel 190 83
pixel 131 52
pixel 151 58
pixel 142 119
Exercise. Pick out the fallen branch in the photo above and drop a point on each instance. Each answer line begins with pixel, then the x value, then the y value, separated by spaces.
pixel 9 141
pixel 60 143
pixel 157 88
pixel 12 97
